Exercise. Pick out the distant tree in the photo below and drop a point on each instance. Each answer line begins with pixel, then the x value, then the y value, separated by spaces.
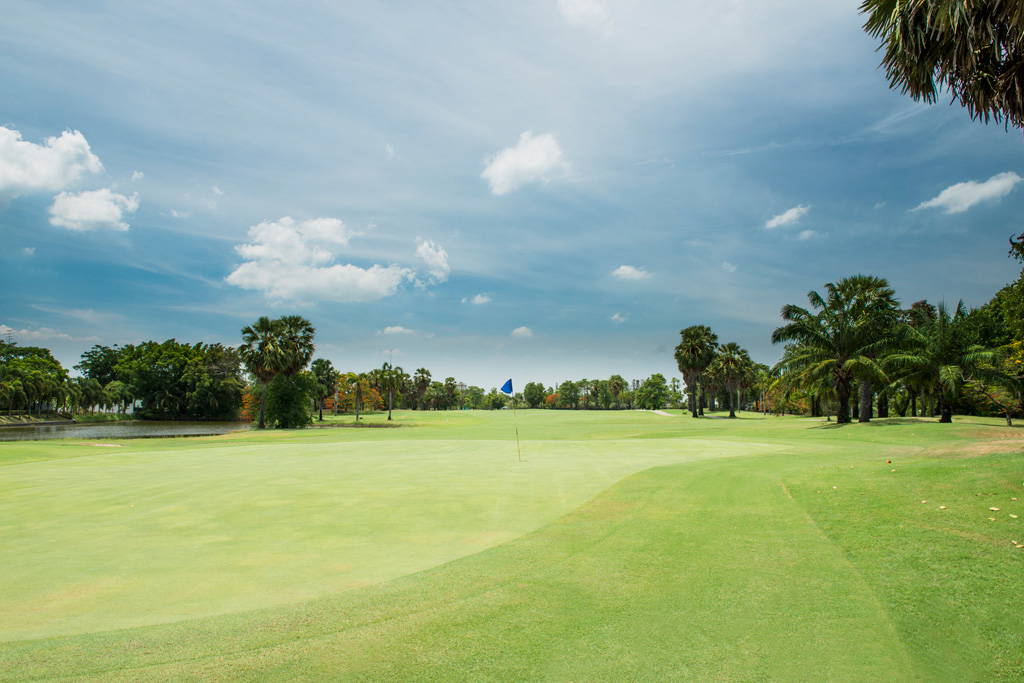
pixel 421 381
pixel 694 353
pixel 99 363
pixel 533 392
pixel 938 357
pixel 973 49
pixel 326 382
pixel 568 395
pixel 653 393
pixel 732 365
pixel 264 356
pixel 616 385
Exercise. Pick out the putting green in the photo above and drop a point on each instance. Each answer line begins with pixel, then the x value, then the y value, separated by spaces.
pixel 626 545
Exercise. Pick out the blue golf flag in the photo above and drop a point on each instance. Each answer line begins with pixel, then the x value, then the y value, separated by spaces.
pixel 506 388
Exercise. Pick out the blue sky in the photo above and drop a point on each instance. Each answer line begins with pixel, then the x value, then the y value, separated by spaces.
pixel 546 189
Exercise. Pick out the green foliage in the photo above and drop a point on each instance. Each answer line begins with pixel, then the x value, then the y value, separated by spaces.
pixel 534 394
pixel 31 379
pixel 971 49
pixel 653 394
pixel 288 400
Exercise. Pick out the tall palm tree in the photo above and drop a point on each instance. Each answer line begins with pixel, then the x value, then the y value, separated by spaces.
pixel 838 339
pixel 297 343
pixel 421 380
pixel 694 353
pixel 263 353
pixel 873 303
pixel 973 49
pixel 939 358
pixel 732 365
pixel 326 381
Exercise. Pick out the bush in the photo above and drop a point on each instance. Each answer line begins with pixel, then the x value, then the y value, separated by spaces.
pixel 289 399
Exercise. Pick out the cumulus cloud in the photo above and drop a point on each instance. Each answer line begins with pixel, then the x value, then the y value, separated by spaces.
pixel 630 273
pixel 787 217
pixel 53 165
pixel 396 329
pixel 728 266
pixel 92 210
pixel 137 176
pixel 477 299
pixel 806 235
pixel 535 158
pixel 41 334
pixel 962 196
pixel 294 261
pixel 618 318
pixel 435 257
pixel 586 13
pixel 522 332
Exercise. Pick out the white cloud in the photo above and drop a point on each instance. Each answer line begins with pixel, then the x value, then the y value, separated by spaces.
pixel 435 257
pixel 477 299
pixel 533 159
pixel 28 251
pixel 396 329
pixel 630 273
pixel 40 334
pixel 806 235
pixel 137 176
pixel 728 266
pixel 962 196
pixel 522 332
pixel 180 214
pixel 389 150
pixel 293 261
pixel 92 210
pixel 618 318
pixel 217 191
pixel 586 13
pixel 787 217
pixel 53 165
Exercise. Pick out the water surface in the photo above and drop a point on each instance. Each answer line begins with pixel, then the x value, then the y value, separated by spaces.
pixel 136 429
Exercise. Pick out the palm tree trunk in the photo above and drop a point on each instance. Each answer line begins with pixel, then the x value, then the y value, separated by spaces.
pixel 391 401
pixel 693 401
pixel 865 401
pixel 732 402
pixel 843 394
pixel 913 404
pixel 261 424
pixel 883 403
pixel 946 408
pixel 702 401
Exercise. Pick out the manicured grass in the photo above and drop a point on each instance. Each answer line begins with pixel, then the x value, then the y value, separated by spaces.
pixel 627 545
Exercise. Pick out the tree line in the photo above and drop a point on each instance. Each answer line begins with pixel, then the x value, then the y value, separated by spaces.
pixel 854 352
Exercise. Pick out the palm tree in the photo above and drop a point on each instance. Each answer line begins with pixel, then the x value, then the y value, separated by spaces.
pixel 297 343
pixel 421 380
pixel 263 353
pixel 733 366
pixel 326 381
pixel 972 49
pixel 939 358
pixel 694 354
pixel 839 340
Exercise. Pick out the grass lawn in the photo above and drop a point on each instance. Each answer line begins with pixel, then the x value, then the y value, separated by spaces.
pixel 626 545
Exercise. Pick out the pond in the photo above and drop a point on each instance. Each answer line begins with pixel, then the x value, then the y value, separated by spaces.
pixel 136 429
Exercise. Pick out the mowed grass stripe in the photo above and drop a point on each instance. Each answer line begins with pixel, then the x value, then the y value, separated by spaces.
pixel 644 579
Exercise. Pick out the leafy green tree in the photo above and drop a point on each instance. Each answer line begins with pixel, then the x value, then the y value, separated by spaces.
pixel 288 399
pixel 972 49
pixel 653 393
pixel 694 353
pixel 568 395
pixel 534 394
pixel 100 363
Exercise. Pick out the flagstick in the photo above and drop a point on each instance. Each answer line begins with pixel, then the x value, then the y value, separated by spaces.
pixel 515 424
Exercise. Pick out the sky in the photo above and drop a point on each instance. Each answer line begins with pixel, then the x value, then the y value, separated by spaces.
pixel 545 189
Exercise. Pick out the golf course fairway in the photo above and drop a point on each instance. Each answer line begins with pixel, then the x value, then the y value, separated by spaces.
pixel 623 545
